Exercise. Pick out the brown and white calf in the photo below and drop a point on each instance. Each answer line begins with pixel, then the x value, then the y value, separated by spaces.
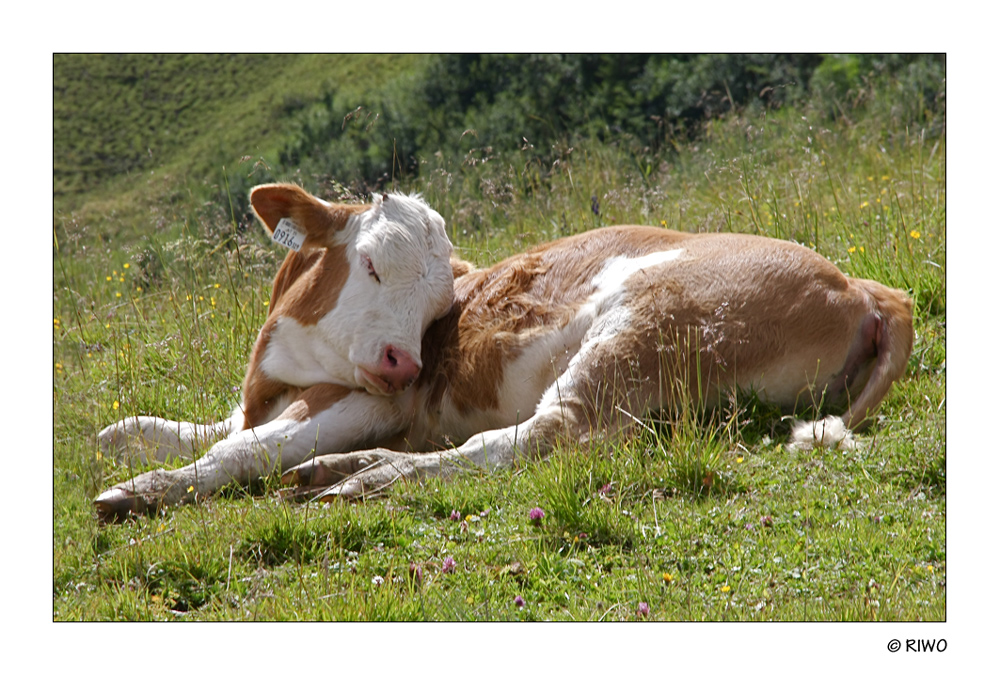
pixel 383 358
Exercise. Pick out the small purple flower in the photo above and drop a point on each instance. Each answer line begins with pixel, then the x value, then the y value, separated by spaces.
pixel 455 515
pixel 448 565
pixel 643 609
pixel 766 521
pixel 416 572
pixel 518 601
pixel 605 489
pixel 536 515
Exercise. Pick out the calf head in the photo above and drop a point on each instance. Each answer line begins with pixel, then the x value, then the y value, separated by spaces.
pixel 366 283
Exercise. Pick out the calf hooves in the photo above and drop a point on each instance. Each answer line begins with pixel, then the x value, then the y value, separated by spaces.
pixel 353 489
pixel 312 473
pixel 117 504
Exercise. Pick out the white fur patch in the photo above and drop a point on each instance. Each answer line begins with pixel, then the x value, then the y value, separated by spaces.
pixel 612 278
pixel 604 315
pixel 830 432
pixel 304 355
pixel 552 355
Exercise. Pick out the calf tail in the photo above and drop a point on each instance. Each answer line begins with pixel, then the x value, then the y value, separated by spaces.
pixel 831 432
pixel 892 338
pixel 893 343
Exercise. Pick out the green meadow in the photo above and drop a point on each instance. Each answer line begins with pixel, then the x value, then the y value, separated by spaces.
pixel 162 280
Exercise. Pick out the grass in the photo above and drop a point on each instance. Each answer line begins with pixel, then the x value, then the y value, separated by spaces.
pixel 710 520
pixel 138 135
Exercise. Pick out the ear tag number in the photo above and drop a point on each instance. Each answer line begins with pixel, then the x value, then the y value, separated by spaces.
pixel 288 234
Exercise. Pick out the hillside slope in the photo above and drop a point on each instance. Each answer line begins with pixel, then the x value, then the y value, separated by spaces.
pixel 120 118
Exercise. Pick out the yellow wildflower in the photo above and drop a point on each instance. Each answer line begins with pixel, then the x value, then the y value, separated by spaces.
pixel 115 405
pixel 668 578
pixel 914 234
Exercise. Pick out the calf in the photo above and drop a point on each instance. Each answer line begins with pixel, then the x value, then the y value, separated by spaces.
pixel 382 359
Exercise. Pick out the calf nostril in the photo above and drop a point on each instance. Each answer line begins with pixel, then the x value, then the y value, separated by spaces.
pixel 398 367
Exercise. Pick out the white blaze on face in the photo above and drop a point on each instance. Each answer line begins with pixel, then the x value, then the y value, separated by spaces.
pixel 357 316
pixel 400 281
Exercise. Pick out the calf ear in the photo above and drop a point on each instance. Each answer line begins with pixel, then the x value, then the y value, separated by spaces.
pixel 319 220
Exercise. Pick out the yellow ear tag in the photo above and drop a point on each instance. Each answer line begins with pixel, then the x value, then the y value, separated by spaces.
pixel 288 234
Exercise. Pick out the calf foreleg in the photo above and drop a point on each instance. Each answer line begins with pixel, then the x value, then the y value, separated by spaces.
pixel 144 439
pixel 597 392
pixel 370 471
pixel 324 419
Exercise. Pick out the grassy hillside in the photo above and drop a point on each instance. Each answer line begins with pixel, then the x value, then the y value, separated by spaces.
pixel 160 289
pixel 134 131
pixel 131 129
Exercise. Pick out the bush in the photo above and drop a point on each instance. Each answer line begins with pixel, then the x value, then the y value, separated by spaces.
pixel 499 105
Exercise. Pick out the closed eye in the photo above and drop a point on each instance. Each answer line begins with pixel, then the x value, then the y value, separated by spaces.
pixel 371 269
